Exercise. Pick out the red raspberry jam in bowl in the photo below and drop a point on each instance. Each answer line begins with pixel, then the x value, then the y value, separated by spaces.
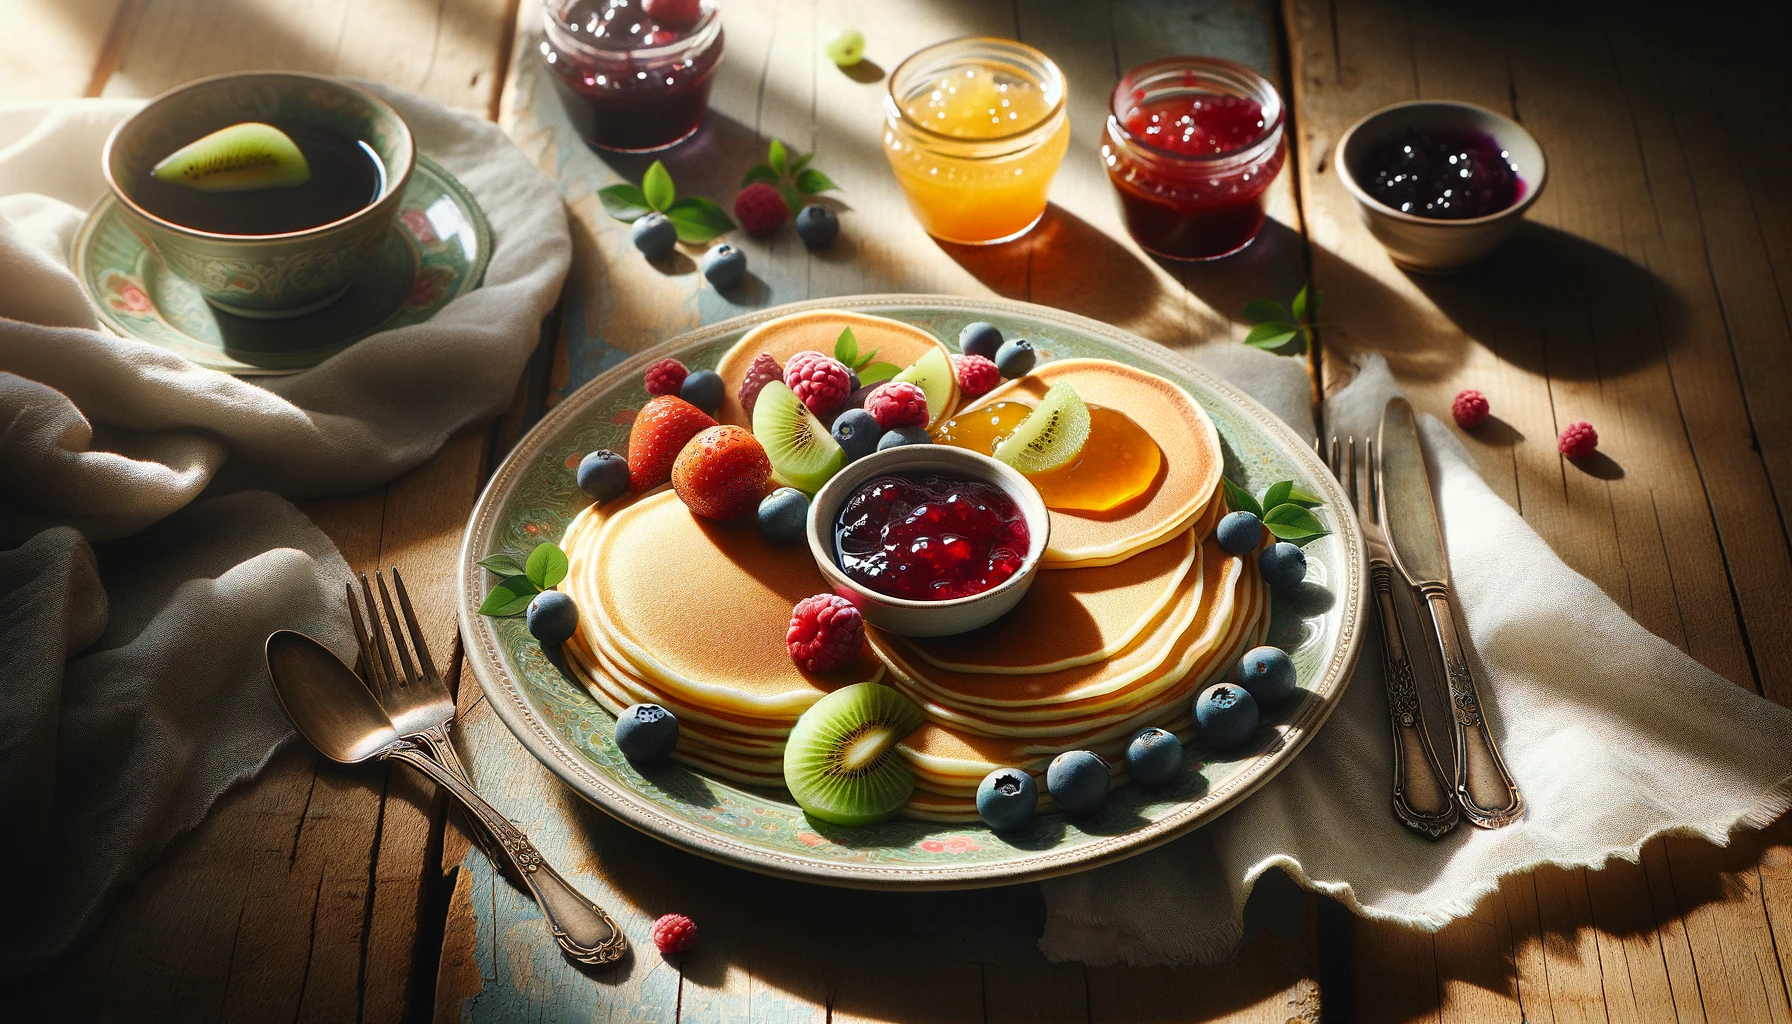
pixel 930 537
pixel 633 76
pixel 1191 145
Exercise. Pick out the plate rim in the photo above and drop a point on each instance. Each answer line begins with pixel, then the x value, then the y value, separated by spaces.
pixel 547 747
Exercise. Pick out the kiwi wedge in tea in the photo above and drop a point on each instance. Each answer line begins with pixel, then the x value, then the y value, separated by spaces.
pixel 262 179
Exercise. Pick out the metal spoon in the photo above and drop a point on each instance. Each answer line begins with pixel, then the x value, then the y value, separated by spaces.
pixel 332 709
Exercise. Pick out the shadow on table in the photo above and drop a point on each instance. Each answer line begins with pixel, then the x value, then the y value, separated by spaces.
pixel 1079 266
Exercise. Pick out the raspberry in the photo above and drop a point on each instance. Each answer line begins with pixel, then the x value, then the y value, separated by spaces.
pixel 1578 440
pixel 976 374
pixel 760 208
pixel 822 382
pixel 674 933
pixel 826 632
pixel 898 404
pixel 1470 409
pixel 764 370
pixel 666 377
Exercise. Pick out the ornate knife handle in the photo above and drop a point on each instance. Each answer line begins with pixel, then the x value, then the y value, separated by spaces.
pixel 1422 798
pixel 1483 785
pixel 585 933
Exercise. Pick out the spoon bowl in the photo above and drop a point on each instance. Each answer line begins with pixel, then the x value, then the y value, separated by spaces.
pixel 328 703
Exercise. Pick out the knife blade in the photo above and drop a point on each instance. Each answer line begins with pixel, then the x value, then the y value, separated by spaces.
pixel 1484 786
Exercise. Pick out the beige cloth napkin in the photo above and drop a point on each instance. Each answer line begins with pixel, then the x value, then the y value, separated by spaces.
pixel 1614 735
pixel 151 550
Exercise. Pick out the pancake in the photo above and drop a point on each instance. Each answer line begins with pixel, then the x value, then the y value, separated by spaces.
pixel 615 696
pixel 701 608
pixel 1190 446
pixel 1202 523
pixel 894 341
pixel 1069 618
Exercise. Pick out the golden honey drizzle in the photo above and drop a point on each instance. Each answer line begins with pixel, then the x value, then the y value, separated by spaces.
pixel 1119 462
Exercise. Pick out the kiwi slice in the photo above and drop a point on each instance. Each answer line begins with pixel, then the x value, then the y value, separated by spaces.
pixel 242 156
pixel 1051 435
pixel 840 762
pixel 933 374
pixel 803 453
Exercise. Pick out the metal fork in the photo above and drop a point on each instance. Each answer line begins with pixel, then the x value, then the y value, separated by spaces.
pixel 1422 799
pixel 422 710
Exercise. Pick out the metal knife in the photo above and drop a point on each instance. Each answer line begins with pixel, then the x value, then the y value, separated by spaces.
pixel 1484 787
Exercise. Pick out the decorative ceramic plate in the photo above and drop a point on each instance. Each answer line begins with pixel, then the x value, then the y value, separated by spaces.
pixel 534 495
pixel 437 250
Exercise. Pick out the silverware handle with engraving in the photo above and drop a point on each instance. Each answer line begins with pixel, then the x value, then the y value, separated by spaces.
pixel 1484 786
pixel 585 933
pixel 1422 798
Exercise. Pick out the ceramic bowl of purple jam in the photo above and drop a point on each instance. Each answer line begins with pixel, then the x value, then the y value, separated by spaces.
pixel 928 539
pixel 1440 184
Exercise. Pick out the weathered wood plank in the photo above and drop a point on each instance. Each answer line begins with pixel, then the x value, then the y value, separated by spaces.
pixel 54 50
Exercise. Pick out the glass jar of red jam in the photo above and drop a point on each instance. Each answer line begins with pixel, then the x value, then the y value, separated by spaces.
pixel 1191 146
pixel 629 82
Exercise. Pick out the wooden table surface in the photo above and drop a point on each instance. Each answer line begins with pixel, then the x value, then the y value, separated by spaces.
pixel 1646 293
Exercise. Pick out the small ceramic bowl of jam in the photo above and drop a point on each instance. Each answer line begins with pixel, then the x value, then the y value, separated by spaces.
pixel 1440 184
pixel 267 190
pixel 927 539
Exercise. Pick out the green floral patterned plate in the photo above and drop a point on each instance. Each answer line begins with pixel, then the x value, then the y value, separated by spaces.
pixel 435 251
pixel 533 496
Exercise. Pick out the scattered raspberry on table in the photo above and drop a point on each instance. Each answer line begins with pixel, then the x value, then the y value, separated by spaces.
pixel 1578 440
pixel 1470 409
pixel 674 933
pixel 820 381
pixel 666 377
pixel 898 404
pixel 760 208
pixel 826 632
pixel 976 374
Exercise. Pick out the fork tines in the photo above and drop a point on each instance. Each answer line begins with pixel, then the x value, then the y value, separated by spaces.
pixel 383 677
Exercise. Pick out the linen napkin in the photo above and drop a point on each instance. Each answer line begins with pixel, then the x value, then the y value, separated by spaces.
pixel 1613 734
pixel 146 544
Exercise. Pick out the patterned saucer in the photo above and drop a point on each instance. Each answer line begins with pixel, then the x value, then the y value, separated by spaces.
pixel 437 250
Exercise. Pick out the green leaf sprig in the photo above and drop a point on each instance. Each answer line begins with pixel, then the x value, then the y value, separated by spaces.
pixel 545 567
pixel 1276 326
pixel 1289 516
pixel 846 349
pixel 790 175
pixel 697 219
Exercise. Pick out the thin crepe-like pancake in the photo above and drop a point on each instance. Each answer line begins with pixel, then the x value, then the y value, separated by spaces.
pixel 894 341
pixel 701 608
pixel 1190 446
pixel 1068 619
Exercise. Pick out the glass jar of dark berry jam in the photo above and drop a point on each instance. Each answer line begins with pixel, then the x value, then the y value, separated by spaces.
pixel 1191 146
pixel 633 75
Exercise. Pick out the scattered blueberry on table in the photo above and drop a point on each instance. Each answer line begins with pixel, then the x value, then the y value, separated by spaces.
pixel 725 266
pixel 817 226
pixel 655 236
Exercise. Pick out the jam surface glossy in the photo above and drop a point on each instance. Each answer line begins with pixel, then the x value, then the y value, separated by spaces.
pixel 1118 463
pixel 1443 175
pixel 927 537
pixel 1201 124
pixel 617 98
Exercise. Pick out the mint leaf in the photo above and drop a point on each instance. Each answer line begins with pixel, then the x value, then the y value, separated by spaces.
pixel 1271 335
pixel 777 157
pixel 866 358
pixel 697 219
pixel 760 173
pixel 1293 523
pixel 547 565
pixel 503 563
pixel 1300 303
pixel 1237 498
pixel 1276 494
pixel 846 347
pixel 656 185
pixel 624 202
pixel 1296 496
pixel 797 165
pixel 1260 310
pixel 510 597
pixel 876 373
pixel 792 198
pixel 812 181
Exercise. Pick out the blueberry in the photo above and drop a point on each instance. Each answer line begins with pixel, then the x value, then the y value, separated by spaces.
pixel 646 733
pixel 1225 716
pixel 655 236
pixel 725 266
pixel 901 436
pixel 1007 798
pixel 858 433
pixel 703 389
pixel 817 226
pixel 603 475
pixel 980 339
pixel 1268 674
pixel 1283 565
pixel 783 515
pixel 1016 358
pixel 553 618
pixel 854 384
pixel 1078 781
pixel 1154 757
pixel 1239 533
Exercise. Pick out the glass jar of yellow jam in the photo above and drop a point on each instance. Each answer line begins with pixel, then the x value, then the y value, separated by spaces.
pixel 975 129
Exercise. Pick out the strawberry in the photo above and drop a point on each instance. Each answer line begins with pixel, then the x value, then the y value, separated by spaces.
pixel 661 429
pixel 722 473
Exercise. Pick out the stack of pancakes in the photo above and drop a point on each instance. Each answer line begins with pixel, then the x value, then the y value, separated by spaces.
pixel 1140 612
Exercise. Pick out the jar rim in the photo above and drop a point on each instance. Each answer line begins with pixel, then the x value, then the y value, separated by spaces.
pixel 1244 80
pixel 707 26
pixel 1048 68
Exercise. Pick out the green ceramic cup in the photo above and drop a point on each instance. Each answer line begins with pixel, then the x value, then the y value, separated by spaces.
pixel 265 277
